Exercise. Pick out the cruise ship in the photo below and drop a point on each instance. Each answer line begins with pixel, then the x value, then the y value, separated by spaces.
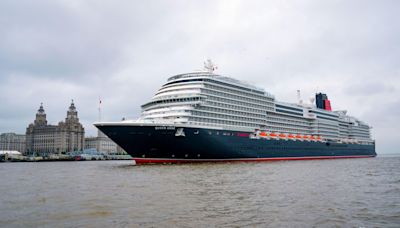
pixel 206 117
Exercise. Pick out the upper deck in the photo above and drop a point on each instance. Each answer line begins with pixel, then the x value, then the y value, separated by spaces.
pixel 216 77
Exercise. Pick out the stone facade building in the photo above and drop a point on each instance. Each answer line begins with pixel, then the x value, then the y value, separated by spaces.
pixel 91 142
pixel 103 144
pixel 12 141
pixel 68 135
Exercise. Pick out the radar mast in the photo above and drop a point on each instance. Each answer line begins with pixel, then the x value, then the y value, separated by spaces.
pixel 210 66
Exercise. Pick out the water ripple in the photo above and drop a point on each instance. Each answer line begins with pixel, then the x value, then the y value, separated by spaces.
pixel 326 193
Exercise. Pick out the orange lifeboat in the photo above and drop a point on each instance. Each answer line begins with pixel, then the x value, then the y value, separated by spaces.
pixel 299 137
pixel 272 135
pixel 305 137
pixel 290 136
pixel 264 134
pixel 282 136
pixel 312 137
pixel 319 138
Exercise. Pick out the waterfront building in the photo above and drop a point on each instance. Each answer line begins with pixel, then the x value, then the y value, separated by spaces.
pixel 45 139
pixel 102 144
pixel 12 141
pixel 90 142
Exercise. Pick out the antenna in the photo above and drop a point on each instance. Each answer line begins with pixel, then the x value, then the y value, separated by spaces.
pixel 299 100
pixel 209 66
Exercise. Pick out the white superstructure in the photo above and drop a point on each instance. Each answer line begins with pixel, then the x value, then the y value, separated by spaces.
pixel 208 99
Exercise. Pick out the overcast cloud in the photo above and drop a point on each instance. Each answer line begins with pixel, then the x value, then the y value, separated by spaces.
pixel 123 51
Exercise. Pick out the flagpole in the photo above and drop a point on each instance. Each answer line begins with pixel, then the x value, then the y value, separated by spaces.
pixel 99 109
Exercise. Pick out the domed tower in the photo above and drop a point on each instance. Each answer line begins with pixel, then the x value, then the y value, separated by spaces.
pixel 72 130
pixel 37 131
pixel 72 114
pixel 40 117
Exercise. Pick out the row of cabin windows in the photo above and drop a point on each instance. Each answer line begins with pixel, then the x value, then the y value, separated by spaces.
pixel 236 97
pixel 215 82
pixel 239 113
pixel 330 124
pixel 237 107
pixel 222 122
pixel 293 126
pixel 327 128
pixel 239 99
pixel 290 108
pixel 234 86
pixel 234 101
pixel 293 119
pixel 223 116
pixel 289 112
pixel 175 88
pixel 324 114
pixel 325 118
pixel 241 95
pixel 359 130
pixel 174 100
pixel 294 122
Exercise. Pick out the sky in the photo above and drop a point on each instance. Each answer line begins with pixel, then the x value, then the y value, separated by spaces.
pixel 122 51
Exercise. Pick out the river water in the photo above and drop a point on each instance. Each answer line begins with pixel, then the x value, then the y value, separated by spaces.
pixel 319 193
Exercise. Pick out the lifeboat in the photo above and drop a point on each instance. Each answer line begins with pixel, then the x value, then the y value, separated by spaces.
pixel 273 135
pixel 299 137
pixel 319 138
pixel 290 136
pixel 312 137
pixel 305 137
pixel 263 134
pixel 282 136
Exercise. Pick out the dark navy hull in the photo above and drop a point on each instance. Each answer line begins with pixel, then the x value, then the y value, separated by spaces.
pixel 160 144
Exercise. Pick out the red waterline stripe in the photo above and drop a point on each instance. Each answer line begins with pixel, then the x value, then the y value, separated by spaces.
pixel 166 160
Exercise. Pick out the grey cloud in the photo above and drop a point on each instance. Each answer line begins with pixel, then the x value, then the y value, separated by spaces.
pixel 58 39
pixel 369 88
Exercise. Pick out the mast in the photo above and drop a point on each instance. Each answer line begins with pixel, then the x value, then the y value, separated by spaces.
pixel 99 109
pixel 209 66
